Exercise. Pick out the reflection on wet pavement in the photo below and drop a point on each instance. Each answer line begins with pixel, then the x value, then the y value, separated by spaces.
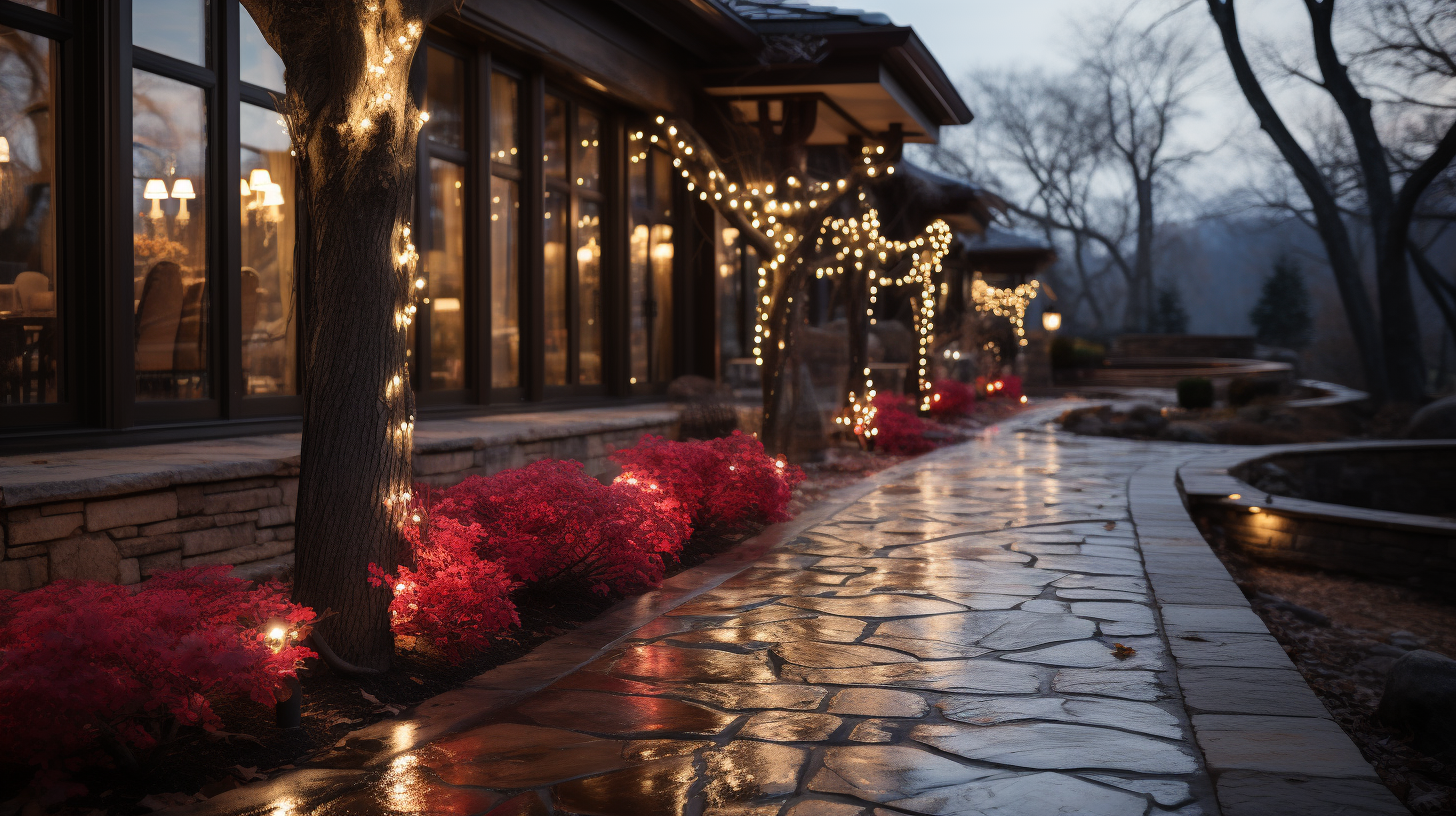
pixel 944 645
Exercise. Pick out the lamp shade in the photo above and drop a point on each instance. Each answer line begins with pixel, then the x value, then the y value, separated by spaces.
pixel 259 179
pixel 182 188
pixel 1051 320
pixel 156 189
pixel 272 195
pixel 243 189
pixel 4 149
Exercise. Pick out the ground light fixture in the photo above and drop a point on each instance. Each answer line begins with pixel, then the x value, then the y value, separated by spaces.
pixel 288 712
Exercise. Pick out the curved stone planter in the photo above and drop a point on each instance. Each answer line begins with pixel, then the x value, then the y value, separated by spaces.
pixel 1165 372
pixel 1403 547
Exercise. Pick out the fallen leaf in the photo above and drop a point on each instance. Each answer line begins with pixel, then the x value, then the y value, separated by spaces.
pixel 392 709
pixel 418 680
pixel 228 736
pixel 343 721
pixel 1122 652
pixel 248 774
pixel 1109 525
pixel 370 697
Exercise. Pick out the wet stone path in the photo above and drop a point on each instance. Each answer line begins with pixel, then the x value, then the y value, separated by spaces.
pixel 975 636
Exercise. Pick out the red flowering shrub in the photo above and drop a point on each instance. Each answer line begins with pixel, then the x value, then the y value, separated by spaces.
pixel 553 526
pixel 897 428
pixel 721 483
pixel 951 398
pixel 453 599
pixel 86 664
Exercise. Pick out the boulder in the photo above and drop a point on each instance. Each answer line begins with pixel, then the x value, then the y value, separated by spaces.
pixel 1435 421
pixel 1184 431
pixel 1144 420
pixel 1420 697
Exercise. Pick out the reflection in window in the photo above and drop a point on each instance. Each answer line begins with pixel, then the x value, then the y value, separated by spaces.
pixel 555 285
pixel 173 27
pixel 445 270
pixel 588 141
pixel 728 264
pixel 589 292
pixel 505 137
pixel 651 263
pixel 505 295
pixel 554 149
pixel 269 290
pixel 445 98
pixel 29 338
pixel 169 189
pixel 258 63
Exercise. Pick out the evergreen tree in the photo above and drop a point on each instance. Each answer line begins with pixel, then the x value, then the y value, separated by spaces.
pixel 1169 316
pixel 1281 317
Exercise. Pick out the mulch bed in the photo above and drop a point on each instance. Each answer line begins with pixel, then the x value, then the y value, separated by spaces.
pixel 1357 630
pixel 199 765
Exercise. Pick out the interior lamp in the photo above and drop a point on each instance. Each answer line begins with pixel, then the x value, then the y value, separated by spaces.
pixel 155 191
pixel 243 189
pixel 182 191
pixel 1051 320
pixel 258 180
pixel 272 195
pixel 4 149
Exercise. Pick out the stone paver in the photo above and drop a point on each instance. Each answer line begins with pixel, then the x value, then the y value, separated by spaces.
pixel 946 644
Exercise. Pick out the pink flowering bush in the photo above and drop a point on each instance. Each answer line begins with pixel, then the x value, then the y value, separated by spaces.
pixel 951 398
pixel 723 484
pixel 553 527
pixel 87 665
pixel 453 599
pixel 897 428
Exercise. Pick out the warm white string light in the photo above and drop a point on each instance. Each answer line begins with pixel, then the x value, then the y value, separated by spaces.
pixel 1009 303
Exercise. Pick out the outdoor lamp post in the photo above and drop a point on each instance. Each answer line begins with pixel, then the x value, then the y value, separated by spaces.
pixel 288 712
pixel 1051 320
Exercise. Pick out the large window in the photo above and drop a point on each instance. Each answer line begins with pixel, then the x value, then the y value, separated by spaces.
pixel 651 262
pixel 442 337
pixel 505 231
pixel 29 331
pixel 571 153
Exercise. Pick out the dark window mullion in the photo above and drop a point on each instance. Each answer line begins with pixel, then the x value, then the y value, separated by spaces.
pixel 173 68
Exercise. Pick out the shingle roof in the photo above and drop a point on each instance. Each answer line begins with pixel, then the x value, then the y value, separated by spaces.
pixel 773 11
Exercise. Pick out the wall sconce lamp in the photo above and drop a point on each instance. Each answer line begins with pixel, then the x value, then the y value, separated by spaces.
pixel 155 191
pixel 183 192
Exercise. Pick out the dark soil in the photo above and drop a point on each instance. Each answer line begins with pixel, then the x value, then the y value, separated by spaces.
pixel 1345 657
pixel 1265 422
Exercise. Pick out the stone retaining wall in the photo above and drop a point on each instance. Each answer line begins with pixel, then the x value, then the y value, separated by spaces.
pixel 1417 557
pixel 103 531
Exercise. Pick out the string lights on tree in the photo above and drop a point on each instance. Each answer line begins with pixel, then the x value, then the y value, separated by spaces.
pixel 1009 303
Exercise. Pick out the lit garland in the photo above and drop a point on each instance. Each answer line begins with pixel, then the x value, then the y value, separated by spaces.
pixel 1008 303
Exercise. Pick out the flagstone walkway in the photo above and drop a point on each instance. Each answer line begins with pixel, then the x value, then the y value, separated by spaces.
pixel 974 635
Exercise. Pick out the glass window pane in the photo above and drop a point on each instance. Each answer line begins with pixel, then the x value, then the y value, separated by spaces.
pixel 659 304
pixel 728 259
pixel 555 286
pixel 554 150
pixel 258 63
pixel 176 28
pixel 588 141
pixel 169 194
pixel 445 98
pixel 505 129
pixel 269 290
pixel 505 294
pixel 445 271
pixel 589 292
pixel 662 179
pixel 637 271
pixel 51 6
pixel 29 334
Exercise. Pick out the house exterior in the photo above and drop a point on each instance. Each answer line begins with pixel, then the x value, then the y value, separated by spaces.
pixel 149 214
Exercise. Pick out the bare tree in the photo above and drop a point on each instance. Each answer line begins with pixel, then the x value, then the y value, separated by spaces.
pixel 354 130
pixel 1415 39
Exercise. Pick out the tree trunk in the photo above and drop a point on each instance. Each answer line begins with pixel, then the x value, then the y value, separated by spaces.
pixel 1143 258
pixel 354 131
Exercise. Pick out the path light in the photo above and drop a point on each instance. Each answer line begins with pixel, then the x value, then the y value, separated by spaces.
pixel 287 711
pixel 1256 509
pixel 1235 496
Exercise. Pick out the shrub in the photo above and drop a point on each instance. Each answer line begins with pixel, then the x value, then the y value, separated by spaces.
pixel 951 398
pixel 1195 392
pixel 1075 352
pixel 722 484
pixel 453 599
pixel 553 526
pixel 86 665
pixel 897 429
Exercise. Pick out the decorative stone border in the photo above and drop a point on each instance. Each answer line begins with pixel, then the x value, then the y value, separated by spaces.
pixel 121 515
pixel 1268 742
pixel 1380 543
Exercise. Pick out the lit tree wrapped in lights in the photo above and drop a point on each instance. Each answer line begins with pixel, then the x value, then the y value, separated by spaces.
pixel 805 229
pixel 354 133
